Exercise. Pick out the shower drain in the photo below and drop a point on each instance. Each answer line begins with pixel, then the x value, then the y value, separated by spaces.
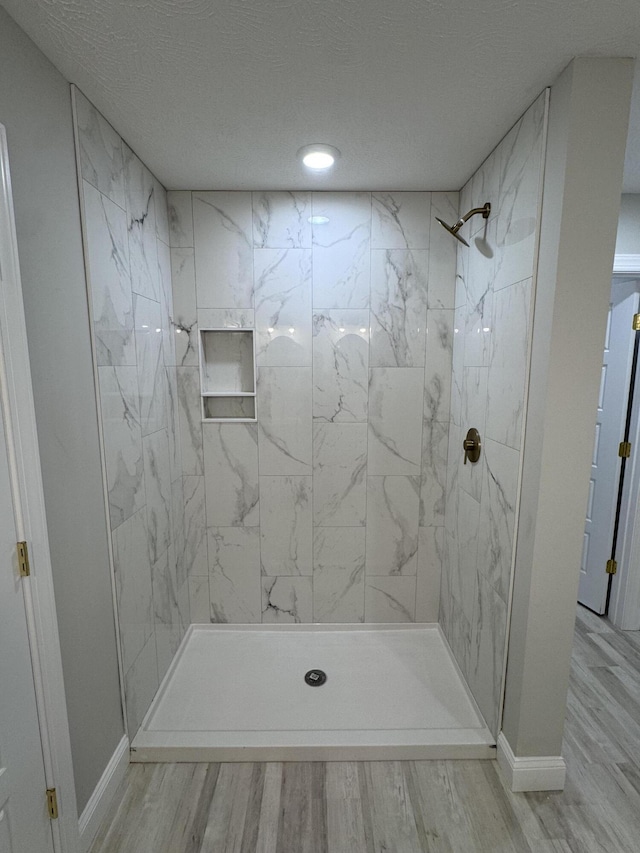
pixel 315 677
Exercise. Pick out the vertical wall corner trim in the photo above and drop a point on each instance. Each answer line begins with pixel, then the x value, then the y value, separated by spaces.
pixel 99 802
pixel 530 773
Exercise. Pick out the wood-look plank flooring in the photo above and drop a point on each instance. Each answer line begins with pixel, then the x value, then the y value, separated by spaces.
pixel 410 806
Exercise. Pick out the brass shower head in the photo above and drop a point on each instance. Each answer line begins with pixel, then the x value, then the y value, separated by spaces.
pixel 453 229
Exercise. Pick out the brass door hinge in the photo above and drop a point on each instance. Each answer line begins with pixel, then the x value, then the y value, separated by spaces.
pixel 23 559
pixel 624 450
pixel 636 323
pixel 52 803
pixel 612 567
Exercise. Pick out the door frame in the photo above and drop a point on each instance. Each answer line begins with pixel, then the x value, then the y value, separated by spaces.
pixel 624 603
pixel 31 525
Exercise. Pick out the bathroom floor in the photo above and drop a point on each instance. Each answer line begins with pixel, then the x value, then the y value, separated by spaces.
pixel 410 806
pixel 239 693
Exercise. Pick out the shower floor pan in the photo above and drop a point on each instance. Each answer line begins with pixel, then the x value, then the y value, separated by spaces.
pixel 238 693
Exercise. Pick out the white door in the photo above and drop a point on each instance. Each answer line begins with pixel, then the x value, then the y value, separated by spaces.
pixel 605 468
pixel 24 821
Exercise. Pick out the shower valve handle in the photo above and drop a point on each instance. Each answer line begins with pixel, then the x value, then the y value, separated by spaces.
pixel 471 446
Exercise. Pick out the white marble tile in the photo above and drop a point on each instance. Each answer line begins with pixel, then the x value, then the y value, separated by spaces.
pixel 224 249
pixel 457 365
pixel 166 614
pixel 108 260
pixel 177 562
pixel 226 318
pixel 442 252
pixel 287 600
pixel 340 365
pixel 184 318
pixel 140 685
pixel 433 480
pixel 286 526
pixel 390 599
pixel 520 184
pixel 477 332
pixel 438 365
pixel 173 422
pixel 194 521
pixel 480 268
pixel 400 220
pixel 462 554
pixel 166 304
pixel 339 475
pixel 488 638
pixel 395 420
pixel 459 636
pixel 151 374
pixel 162 213
pixel 231 475
pixel 508 364
pixel 497 515
pixel 462 274
pixel 430 559
pixel 157 475
pixel 341 253
pixel 281 220
pixel 120 408
pixel 452 479
pixel 392 525
pixel 141 226
pixel 474 403
pixel 338 574
pixel 484 187
pixel 132 572
pixel 234 580
pixel 284 407
pixel 190 420
pixel 283 307
pixel 199 599
pixel 180 216
pixel 398 307
pixel 100 151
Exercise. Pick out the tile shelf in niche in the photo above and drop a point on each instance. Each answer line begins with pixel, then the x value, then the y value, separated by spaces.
pixel 227 374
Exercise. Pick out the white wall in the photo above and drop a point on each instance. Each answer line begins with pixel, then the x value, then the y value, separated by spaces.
pixel 628 239
pixel 36 111
pixel 583 175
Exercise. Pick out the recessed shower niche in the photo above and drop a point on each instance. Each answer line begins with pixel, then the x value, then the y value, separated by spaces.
pixel 227 374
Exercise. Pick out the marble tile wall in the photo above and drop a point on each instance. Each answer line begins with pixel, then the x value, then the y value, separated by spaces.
pixel 493 308
pixel 331 507
pixel 153 511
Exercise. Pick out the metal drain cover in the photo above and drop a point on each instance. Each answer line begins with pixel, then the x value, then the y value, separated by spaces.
pixel 315 678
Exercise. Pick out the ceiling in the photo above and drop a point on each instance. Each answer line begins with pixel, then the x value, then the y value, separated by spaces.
pixel 220 94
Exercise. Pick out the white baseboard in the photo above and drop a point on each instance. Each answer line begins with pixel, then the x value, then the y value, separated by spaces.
pixel 99 802
pixel 533 773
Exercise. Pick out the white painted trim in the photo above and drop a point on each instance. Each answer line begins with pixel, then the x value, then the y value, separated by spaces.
pixel 626 264
pixel 31 525
pixel 531 773
pixel 99 802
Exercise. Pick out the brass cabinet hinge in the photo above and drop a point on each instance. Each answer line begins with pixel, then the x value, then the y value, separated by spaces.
pixel 636 323
pixel 23 559
pixel 624 450
pixel 612 567
pixel 52 803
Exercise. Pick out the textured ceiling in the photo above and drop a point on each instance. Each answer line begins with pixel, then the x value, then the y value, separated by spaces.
pixel 415 93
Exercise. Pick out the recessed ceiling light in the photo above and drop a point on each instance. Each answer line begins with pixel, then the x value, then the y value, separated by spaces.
pixel 318 157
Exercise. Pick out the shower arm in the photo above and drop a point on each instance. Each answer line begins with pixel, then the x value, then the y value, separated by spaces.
pixel 485 210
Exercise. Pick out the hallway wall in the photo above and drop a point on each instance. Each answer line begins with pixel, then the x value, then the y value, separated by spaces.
pixel 494 296
pixel 35 109
pixel 331 507
pixel 129 279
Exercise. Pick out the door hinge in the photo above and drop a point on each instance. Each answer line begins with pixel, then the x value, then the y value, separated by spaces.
pixel 612 567
pixel 636 323
pixel 23 559
pixel 52 803
pixel 624 450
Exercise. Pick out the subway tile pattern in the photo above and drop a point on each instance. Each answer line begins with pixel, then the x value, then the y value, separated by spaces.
pixel 331 507
pixel 158 527
pixel 491 332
